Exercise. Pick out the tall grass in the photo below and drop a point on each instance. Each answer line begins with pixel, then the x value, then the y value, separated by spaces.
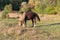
pixel 48 7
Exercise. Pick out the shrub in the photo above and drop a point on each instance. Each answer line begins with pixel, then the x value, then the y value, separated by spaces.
pixel 24 7
pixel 49 9
pixel 57 8
pixel 7 9
pixel 39 9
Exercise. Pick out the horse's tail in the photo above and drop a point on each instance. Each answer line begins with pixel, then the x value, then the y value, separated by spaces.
pixel 38 17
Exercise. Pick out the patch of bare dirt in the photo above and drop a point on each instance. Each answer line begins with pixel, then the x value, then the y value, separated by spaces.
pixel 13 15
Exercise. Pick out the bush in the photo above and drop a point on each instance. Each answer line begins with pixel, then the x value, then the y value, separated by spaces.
pixel 39 9
pixel 46 9
pixel 57 8
pixel 49 9
pixel 24 7
pixel 7 9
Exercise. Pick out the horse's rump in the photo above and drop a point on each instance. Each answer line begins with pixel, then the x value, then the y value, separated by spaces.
pixel 31 15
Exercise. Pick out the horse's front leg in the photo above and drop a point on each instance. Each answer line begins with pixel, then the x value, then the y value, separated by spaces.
pixel 19 23
pixel 25 23
pixel 32 23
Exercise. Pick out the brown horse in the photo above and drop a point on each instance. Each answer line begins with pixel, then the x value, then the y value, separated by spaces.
pixel 29 15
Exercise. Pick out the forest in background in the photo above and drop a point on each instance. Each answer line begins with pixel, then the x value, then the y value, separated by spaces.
pixel 47 29
pixel 39 6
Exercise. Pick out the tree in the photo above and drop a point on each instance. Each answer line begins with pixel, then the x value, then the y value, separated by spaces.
pixel 15 4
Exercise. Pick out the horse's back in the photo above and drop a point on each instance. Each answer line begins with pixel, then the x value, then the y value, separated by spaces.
pixel 29 15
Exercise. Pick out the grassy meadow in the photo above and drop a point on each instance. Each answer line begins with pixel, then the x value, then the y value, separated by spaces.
pixel 47 29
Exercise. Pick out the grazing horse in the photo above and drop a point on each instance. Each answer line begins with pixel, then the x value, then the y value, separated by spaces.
pixel 29 15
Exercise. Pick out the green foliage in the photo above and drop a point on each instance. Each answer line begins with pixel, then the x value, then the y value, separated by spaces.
pixel 38 9
pixel 49 9
pixel 7 9
pixel 24 7
pixel 40 6
pixel 4 14
pixel 3 3
pixel 57 8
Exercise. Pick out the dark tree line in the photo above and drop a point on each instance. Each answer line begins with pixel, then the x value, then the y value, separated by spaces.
pixel 15 4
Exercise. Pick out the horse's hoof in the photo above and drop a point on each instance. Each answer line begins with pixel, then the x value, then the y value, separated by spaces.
pixel 23 26
pixel 34 25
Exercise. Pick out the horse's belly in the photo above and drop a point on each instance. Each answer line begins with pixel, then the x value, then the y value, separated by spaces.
pixel 28 19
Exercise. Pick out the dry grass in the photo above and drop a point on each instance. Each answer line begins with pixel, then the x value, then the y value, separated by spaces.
pixel 47 29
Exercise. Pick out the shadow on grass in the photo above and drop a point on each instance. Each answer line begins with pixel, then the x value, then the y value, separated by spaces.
pixel 49 24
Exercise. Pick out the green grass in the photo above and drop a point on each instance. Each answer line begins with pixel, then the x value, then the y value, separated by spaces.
pixel 44 30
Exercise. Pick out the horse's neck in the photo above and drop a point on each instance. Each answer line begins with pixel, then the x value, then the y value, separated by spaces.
pixel 24 14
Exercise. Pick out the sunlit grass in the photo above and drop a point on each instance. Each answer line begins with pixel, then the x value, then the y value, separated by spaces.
pixel 45 30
